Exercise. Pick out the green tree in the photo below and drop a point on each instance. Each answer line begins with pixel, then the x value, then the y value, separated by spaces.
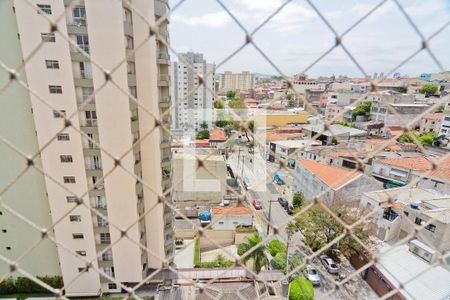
pixel 276 246
pixel 319 228
pixel 403 89
pixel 218 104
pixel 279 261
pixel 362 110
pixel 231 94
pixel 301 289
pixel 204 125
pixel 257 255
pixel 427 138
pixel 345 124
pixel 429 89
pixel 440 108
pixel 237 103
pixel 298 200
pixel 203 134
pixel 251 125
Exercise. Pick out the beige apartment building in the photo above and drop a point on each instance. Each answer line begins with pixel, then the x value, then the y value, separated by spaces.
pixel 237 81
pixel 115 37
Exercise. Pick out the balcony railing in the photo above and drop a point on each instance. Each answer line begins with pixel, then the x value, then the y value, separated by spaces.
pixel 89 123
pixel 84 47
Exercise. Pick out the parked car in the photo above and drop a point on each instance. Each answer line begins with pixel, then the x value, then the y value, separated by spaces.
pixel 257 204
pixel 283 201
pixel 289 209
pixel 247 184
pixel 312 275
pixel 329 264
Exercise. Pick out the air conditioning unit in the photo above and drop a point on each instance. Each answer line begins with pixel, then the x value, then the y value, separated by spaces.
pixel 422 250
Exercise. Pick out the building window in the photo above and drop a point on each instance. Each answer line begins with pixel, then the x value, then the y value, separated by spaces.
pixel 45 8
pixel 105 238
pixel 55 89
pixel 431 227
pixel 107 256
pixel 109 271
pixel 129 42
pixel 63 137
pixel 52 64
pixel 81 253
pixel 48 37
pixel 101 222
pixel 131 67
pixel 59 114
pixel 128 15
pixel 69 179
pixel 75 218
pixel 71 199
pixel 78 236
pixel 81 270
pixel 112 286
pixel 83 42
pixel 66 158
pixel 79 16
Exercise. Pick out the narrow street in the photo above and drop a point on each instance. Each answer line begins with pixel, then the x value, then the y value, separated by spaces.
pixel 260 174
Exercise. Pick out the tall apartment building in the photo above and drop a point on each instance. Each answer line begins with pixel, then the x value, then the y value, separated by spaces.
pixel 111 124
pixel 192 103
pixel 237 81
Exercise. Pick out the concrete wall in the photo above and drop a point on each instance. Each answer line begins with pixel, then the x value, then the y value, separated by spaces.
pixel 28 194
pixel 268 120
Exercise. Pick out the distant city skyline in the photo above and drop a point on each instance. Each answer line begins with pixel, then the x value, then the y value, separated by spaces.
pixel 297 36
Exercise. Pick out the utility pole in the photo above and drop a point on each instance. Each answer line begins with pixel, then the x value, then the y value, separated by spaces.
pixel 239 157
pixel 242 172
pixel 287 258
pixel 270 213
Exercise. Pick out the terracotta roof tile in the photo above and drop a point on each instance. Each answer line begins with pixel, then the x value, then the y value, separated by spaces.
pixel 419 164
pixel 217 135
pixel 332 176
pixel 442 171
pixel 234 211
pixel 434 117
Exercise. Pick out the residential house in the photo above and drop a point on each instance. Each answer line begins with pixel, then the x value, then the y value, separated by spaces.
pixel 327 182
pixel 391 205
pixel 439 178
pixel 280 150
pixel 400 171
pixel 330 136
pixel 227 218
pixel 217 138
pixel 431 123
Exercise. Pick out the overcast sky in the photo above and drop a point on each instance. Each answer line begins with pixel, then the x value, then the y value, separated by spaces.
pixel 296 36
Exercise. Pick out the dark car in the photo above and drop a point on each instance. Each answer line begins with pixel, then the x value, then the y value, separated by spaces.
pixel 289 209
pixel 283 201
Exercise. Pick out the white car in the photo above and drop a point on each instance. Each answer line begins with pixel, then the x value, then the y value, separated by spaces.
pixel 312 275
pixel 329 264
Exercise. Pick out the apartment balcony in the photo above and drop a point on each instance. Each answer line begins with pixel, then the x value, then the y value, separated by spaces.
pixel 161 8
pixel 105 263
pixel 73 2
pixel 89 126
pixel 84 80
pixel 163 34
pixel 163 80
pixel 164 102
pixel 128 28
pixel 100 247
pixel 78 26
pixel 101 209
pixel 163 58
pixel 97 172
pixel 165 163
pixel 134 125
pixel 165 143
pixel 131 79
pixel 91 150
pixel 101 229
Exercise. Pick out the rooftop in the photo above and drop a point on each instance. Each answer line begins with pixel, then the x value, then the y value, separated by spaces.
pixel 420 279
pixel 297 143
pixel 406 195
pixel 217 135
pixel 434 117
pixel 335 129
pixel 419 164
pixel 442 170
pixel 332 176
pixel 231 211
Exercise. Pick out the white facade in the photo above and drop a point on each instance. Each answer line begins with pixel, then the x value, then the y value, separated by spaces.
pixel 193 102
pixel 237 81
pixel 74 162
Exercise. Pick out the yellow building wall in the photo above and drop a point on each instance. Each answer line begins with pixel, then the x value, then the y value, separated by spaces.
pixel 280 119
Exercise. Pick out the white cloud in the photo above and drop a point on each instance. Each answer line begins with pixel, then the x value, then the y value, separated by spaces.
pixel 213 20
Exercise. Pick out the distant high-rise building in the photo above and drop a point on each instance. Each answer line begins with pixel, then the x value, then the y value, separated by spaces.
pixel 375 75
pixel 193 102
pixel 78 165
pixel 237 81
